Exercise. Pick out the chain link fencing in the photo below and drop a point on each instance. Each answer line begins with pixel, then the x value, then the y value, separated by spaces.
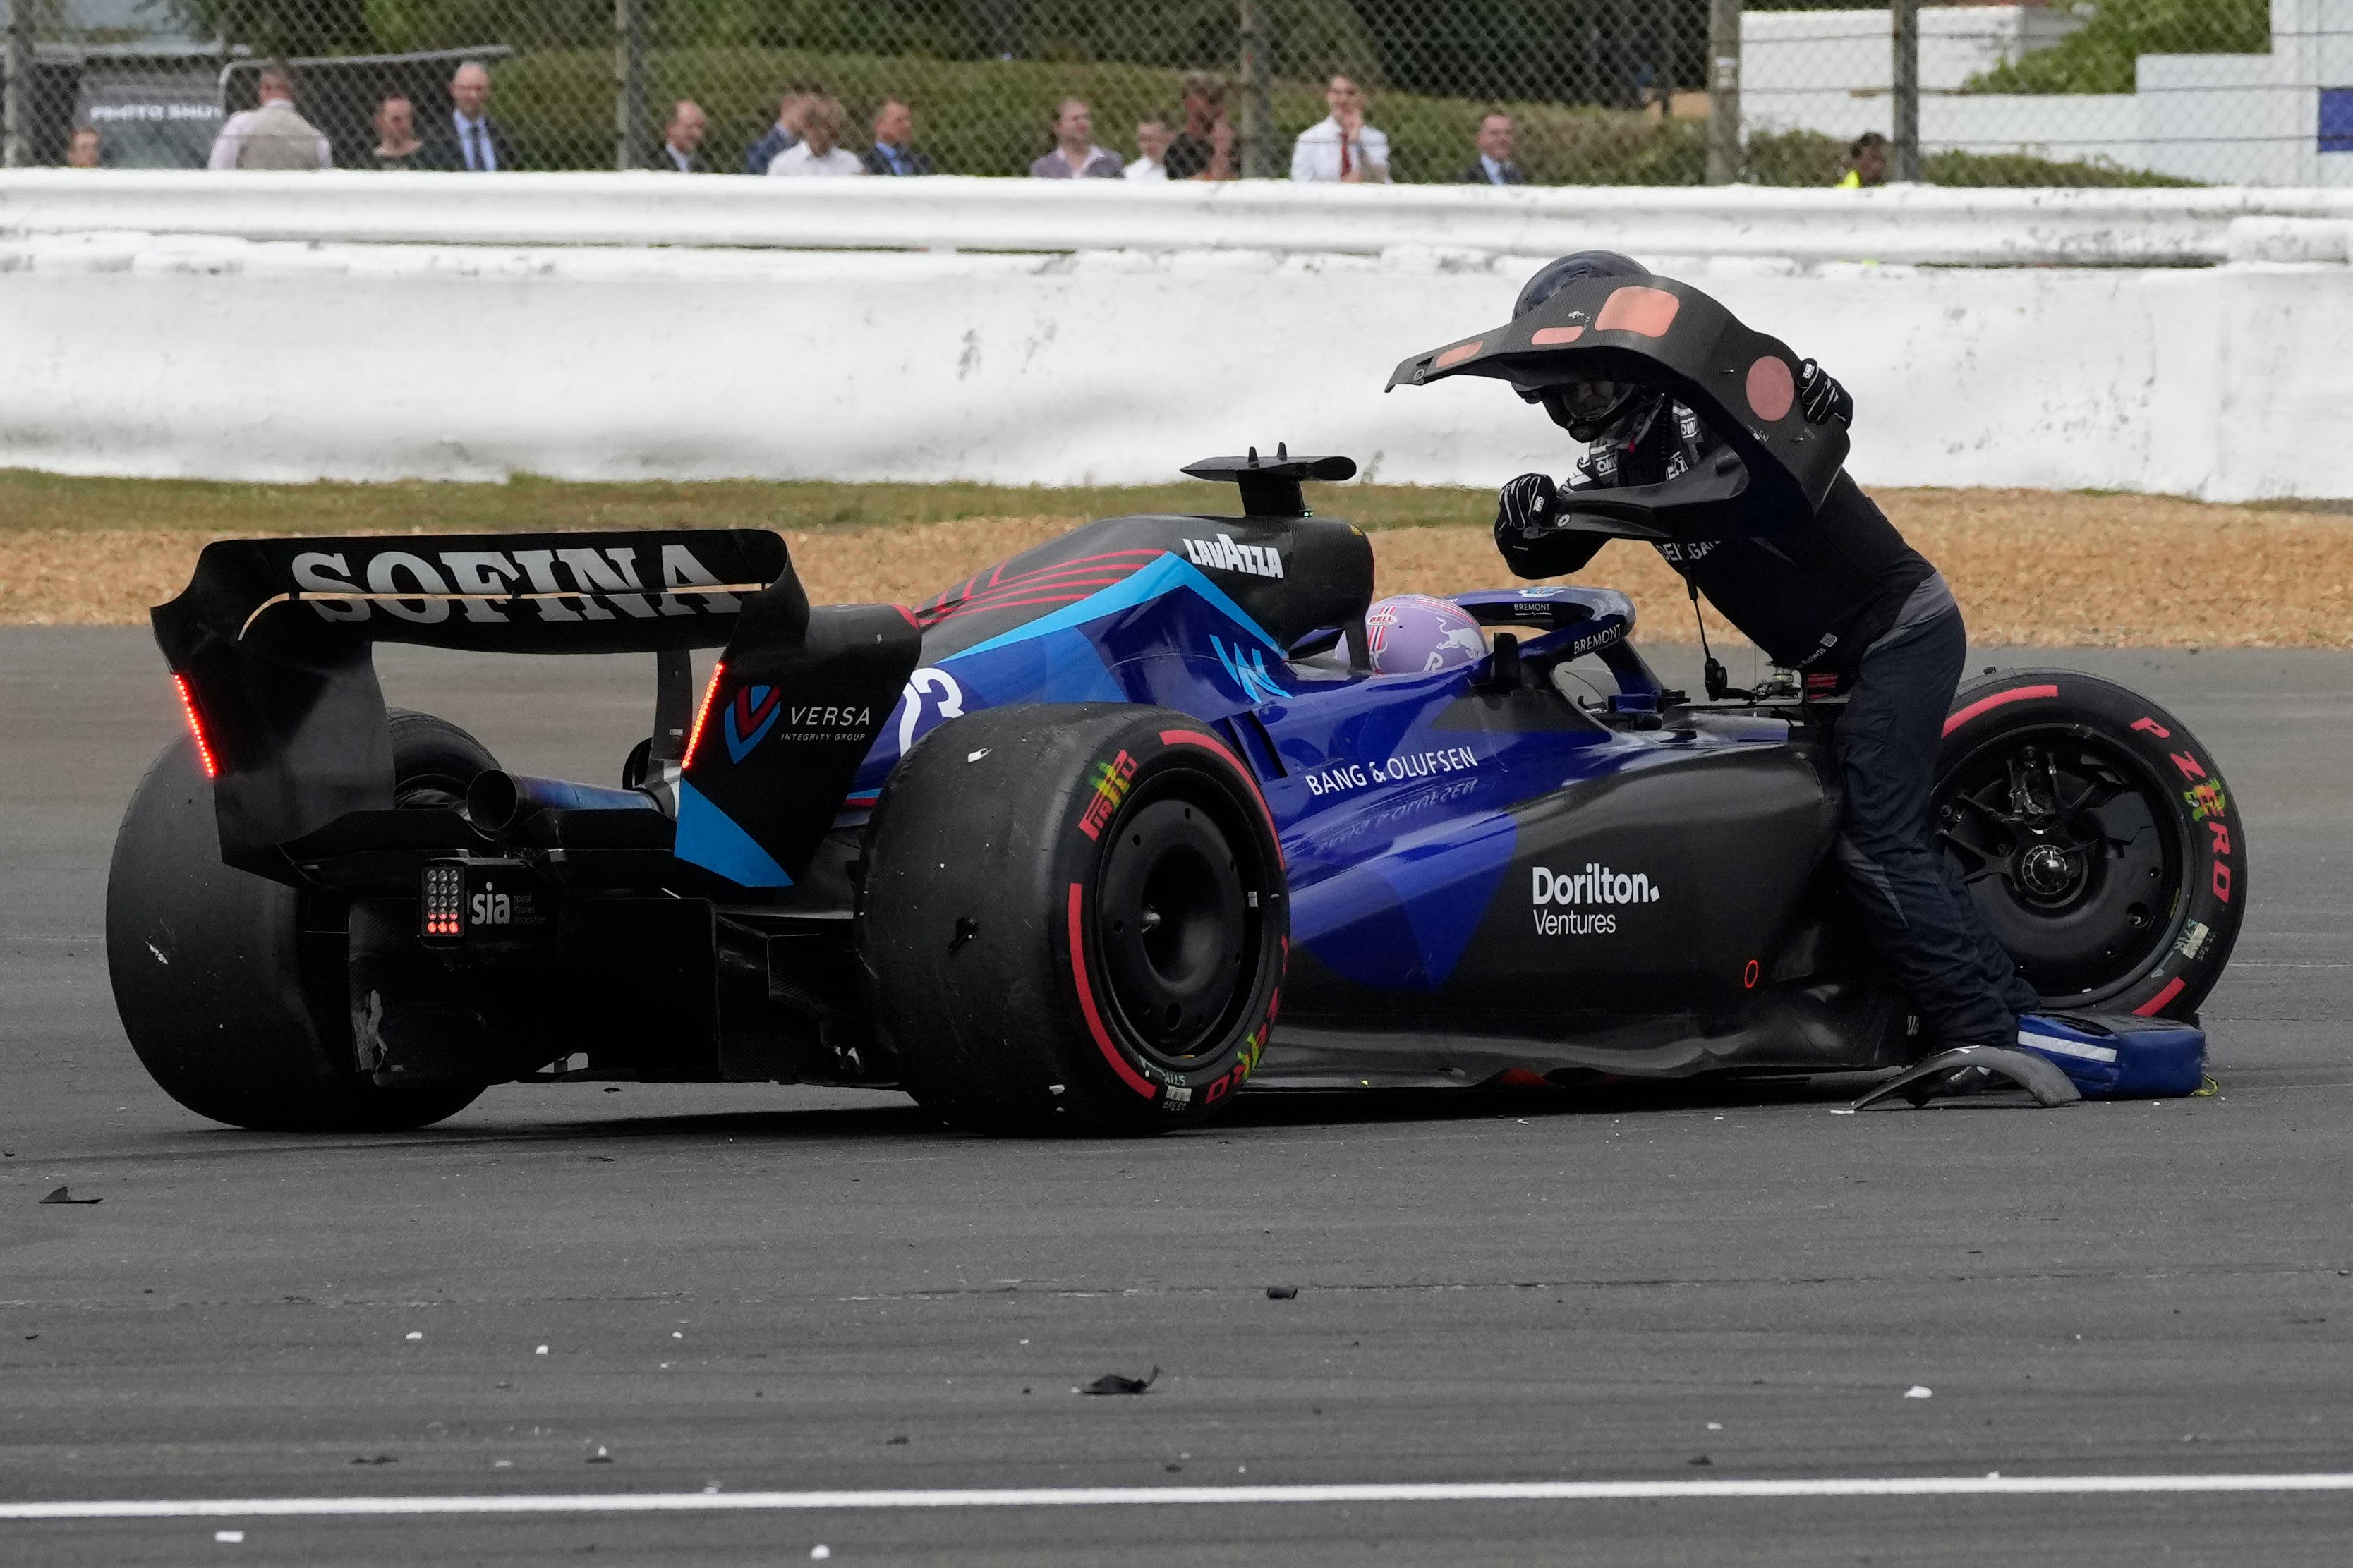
pixel 1594 91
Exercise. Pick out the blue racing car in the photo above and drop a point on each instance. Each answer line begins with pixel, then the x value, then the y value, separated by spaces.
pixel 1097 836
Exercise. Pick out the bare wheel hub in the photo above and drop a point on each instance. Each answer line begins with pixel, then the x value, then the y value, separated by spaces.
pixel 2048 870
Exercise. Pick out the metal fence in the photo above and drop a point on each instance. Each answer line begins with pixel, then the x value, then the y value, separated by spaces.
pixel 1548 92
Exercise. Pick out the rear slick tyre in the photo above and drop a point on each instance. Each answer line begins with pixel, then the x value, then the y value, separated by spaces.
pixel 2098 838
pixel 232 987
pixel 1075 920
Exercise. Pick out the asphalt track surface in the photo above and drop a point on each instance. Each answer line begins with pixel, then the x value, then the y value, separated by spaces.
pixel 772 1289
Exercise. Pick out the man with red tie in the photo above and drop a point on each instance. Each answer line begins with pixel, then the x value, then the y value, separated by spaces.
pixel 1341 148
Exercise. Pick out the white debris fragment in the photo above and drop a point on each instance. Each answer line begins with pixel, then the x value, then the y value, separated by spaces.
pixel 676 1335
pixel 969 757
pixel 1715 1426
pixel 166 962
pixel 416 1335
pixel 1919 1390
pixel 541 1350
pixel 229 1537
pixel 820 1551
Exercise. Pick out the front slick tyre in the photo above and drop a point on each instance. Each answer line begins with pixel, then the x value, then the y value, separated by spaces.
pixel 1075 920
pixel 2098 837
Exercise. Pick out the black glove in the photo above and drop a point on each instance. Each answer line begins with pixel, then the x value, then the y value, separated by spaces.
pixel 1525 506
pixel 1823 397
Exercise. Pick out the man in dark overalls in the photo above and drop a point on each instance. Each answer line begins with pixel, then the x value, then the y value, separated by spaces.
pixel 1839 595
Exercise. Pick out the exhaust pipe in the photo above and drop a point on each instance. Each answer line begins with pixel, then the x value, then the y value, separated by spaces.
pixel 499 801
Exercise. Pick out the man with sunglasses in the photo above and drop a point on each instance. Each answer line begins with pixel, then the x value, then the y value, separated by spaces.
pixel 1839 595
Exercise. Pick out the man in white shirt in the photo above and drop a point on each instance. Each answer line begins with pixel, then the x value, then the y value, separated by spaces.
pixel 1341 147
pixel 787 131
pixel 1151 139
pixel 1075 155
pixel 271 136
pixel 819 151
pixel 682 149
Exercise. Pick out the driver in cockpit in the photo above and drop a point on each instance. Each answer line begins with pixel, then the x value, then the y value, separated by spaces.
pixel 1839 595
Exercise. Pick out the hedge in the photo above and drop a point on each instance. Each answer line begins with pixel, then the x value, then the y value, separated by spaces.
pixel 993 117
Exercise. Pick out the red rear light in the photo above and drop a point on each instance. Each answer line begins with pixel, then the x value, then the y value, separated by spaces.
pixel 442 899
pixel 196 725
pixel 703 712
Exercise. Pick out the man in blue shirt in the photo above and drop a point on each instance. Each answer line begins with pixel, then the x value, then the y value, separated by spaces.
pixel 469 141
pixel 894 130
pixel 1493 165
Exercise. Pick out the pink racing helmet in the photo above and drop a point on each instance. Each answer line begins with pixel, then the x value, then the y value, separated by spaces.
pixel 1414 634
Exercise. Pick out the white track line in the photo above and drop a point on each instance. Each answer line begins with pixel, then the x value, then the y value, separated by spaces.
pixel 1099 1497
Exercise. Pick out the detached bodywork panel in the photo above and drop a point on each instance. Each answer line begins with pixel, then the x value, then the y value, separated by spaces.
pixel 1659 334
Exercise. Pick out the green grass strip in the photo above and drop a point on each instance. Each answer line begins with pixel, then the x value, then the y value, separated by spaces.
pixel 30 500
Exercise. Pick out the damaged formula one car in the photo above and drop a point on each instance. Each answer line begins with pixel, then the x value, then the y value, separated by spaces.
pixel 1097 836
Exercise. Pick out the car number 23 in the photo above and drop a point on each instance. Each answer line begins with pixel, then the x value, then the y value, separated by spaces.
pixel 931 697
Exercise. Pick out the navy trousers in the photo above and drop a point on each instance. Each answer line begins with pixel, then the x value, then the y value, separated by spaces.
pixel 1919 920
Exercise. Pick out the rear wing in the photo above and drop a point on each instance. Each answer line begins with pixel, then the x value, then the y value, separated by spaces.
pixel 499 593
pixel 272 645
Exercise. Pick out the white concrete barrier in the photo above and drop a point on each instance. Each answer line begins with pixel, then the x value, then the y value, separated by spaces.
pixel 374 326
pixel 238 359
pixel 1915 223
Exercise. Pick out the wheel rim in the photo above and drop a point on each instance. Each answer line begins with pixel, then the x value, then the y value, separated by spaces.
pixel 2069 845
pixel 1176 927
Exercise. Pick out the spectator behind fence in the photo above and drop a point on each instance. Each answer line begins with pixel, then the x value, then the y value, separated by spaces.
pixel 1341 146
pixel 1204 149
pixel 1866 162
pixel 469 140
pixel 83 151
pixel 893 150
pixel 786 132
pixel 397 146
pixel 271 136
pixel 681 151
pixel 819 151
pixel 1493 165
pixel 1075 155
pixel 1151 139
